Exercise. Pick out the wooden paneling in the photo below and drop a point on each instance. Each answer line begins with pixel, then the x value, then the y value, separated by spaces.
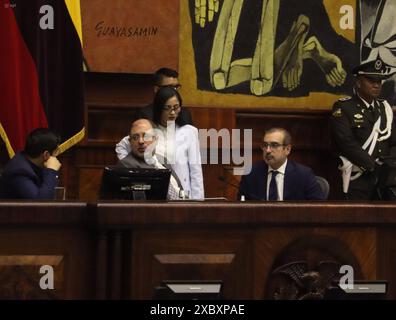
pixel 124 250
pixel 386 257
pixel 210 255
pixel 20 276
pixel 109 124
pixel 118 89
pixel 37 234
pixel 242 244
pixel 89 191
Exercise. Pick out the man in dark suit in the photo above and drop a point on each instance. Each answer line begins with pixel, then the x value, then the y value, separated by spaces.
pixel 165 77
pixel 276 178
pixel 363 130
pixel 33 173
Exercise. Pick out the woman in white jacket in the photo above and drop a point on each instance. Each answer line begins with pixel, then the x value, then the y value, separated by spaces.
pixel 177 142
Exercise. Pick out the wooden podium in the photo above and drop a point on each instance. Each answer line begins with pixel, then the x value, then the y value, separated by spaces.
pixel 258 250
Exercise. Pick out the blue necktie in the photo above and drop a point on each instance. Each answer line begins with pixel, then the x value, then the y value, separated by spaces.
pixel 273 190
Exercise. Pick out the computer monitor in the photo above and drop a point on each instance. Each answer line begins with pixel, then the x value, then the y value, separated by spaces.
pixel 134 184
pixel 189 290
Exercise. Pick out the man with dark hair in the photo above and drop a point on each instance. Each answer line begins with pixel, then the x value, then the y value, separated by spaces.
pixel 363 130
pixel 33 173
pixel 276 178
pixel 164 77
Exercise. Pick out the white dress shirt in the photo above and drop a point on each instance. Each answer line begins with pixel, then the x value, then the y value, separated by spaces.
pixel 280 180
pixel 368 105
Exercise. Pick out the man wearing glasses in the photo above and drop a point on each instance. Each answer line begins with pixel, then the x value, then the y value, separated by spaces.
pixel 143 142
pixel 276 178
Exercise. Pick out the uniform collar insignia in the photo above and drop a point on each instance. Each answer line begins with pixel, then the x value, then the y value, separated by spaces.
pixel 337 113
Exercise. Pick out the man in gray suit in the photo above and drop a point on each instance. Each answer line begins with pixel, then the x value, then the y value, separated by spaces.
pixel 143 140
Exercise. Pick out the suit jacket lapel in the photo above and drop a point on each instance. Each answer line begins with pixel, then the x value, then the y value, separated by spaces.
pixel 166 164
pixel 288 181
pixel 175 176
pixel 262 181
pixel 366 113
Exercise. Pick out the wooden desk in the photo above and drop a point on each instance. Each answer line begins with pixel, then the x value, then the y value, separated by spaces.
pixel 33 234
pixel 251 247
pixel 124 250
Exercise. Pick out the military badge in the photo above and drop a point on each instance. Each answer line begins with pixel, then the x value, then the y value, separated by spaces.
pixel 378 64
pixel 358 116
pixel 337 113
pixel 345 99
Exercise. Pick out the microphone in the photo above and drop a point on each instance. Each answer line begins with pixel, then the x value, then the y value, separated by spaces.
pixel 250 195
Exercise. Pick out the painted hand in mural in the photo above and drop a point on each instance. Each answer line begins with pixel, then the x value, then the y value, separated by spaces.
pixel 294 50
pixel 205 9
pixel 289 54
pixel 329 63
pixel 270 63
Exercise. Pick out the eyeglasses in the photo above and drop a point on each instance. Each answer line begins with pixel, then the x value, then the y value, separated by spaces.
pixel 174 86
pixel 271 145
pixel 174 108
pixel 147 137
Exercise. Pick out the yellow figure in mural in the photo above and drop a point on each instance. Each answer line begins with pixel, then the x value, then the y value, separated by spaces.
pixel 268 63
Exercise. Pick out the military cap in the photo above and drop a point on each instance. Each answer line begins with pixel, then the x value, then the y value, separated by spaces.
pixel 375 69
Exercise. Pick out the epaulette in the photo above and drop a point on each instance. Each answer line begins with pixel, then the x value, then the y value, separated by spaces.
pixel 345 99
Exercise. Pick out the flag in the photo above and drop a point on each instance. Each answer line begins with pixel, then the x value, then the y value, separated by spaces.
pixel 41 70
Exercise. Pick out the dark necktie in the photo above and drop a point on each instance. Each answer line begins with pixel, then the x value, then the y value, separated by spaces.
pixel 376 110
pixel 273 190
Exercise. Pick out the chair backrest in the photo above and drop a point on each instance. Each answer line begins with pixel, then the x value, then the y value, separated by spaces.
pixel 324 185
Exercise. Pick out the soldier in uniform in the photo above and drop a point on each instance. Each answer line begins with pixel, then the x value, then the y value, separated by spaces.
pixel 363 129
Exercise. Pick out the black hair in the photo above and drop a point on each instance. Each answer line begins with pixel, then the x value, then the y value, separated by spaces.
pixel 162 73
pixel 160 98
pixel 40 140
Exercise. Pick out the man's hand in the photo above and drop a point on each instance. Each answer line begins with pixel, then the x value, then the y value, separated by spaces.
pixel 52 163
pixel 374 174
